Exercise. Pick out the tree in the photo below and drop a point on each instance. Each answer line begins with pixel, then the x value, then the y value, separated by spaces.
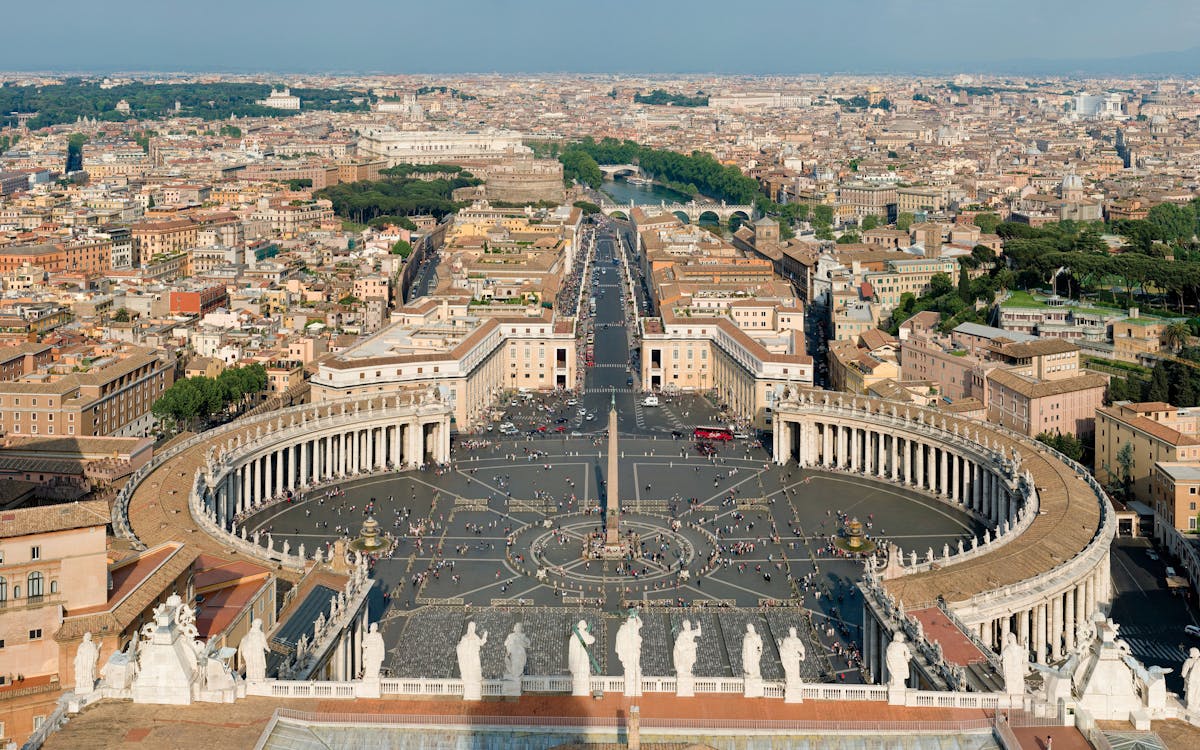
pixel 121 315
pixel 849 238
pixel 1175 335
pixel 904 221
pixel 1125 462
pixel 300 183
pixel 587 207
pixel 1068 445
pixel 870 222
pixel 402 248
pixel 822 213
pixel 987 222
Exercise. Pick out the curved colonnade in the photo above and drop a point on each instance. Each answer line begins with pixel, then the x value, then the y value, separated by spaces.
pixel 1043 567
pixel 231 471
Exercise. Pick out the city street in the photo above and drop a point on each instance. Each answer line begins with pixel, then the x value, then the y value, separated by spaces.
pixel 1152 617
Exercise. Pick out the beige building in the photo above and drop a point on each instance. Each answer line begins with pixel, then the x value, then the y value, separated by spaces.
pixel 52 561
pixel 110 396
pixel 471 359
pixel 1158 432
pixel 1176 491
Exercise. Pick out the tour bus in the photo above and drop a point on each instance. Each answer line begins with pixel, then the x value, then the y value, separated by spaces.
pixel 593 304
pixel 712 433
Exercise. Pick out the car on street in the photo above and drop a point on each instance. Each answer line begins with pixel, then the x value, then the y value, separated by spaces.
pixel 1192 630
pixel 576 433
pixel 590 417
pixel 560 428
pixel 560 420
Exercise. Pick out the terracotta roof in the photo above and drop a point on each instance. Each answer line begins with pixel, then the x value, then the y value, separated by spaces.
pixel 48 518
pixel 121 612
pixel 1038 348
pixel 1041 389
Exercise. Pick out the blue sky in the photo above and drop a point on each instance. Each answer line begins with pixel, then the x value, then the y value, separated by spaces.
pixel 654 36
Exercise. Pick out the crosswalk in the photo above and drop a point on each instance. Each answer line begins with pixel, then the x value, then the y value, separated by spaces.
pixel 1156 650
pixel 609 390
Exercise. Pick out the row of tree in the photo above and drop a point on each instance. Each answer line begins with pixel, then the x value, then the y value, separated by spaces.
pixel 75 98
pixel 662 97
pixel 190 400
pixel 395 196
pixel 697 173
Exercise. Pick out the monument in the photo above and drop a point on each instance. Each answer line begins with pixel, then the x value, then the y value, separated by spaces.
pixel 684 656
pixel 629 651
pixel 896 658
pixel 469 665
pixel 516 647
pixel 1191 681
pixel 791 653
pixel 1014 661
pixel 614 547
pixel 370 540
pixel 86 657
pixel 579 662
pixel 752 648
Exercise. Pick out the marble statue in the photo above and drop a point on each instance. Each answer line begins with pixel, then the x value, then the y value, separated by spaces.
pixel 86 657
pixel 1057 680
pixel 469 667
pixel 791 653
pixel 752 648
pixel 578 660
pixel 120 669
pixel 683 655
pixel 252 652
pixel 1191 680
pixel 372 653
pixel 515 653
pixel 628 646
pixel 1014 661
pixel 897 658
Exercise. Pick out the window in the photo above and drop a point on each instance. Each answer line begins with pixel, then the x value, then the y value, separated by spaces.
pixel 3 589
pixel 35 635
pixel 54 586
pixel 35 583
pixel 35 553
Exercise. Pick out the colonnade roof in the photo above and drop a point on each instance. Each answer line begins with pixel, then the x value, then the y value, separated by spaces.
pixel 1068 520
pixel 158 507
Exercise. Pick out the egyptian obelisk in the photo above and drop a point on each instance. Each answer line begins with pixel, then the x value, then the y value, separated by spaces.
pixel 612 535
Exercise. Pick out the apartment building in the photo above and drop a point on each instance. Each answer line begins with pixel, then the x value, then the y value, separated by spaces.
pixel 860 200
pixel 108 395
pixel 1175 490
pixel 1157 433
pixel 52 561
pixel 158 238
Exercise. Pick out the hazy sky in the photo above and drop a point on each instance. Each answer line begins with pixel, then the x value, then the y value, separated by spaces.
pixel 654 36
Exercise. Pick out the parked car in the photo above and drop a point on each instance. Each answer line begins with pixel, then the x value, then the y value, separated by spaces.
pixel 1192 630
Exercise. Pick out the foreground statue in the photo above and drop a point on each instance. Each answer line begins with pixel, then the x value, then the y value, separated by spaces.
pixel 86 657
pixel 373 651
pixel 684 658
pixel 578 661
pixel 515 653
pixel 1191 680
pixel 897 658
pixel 469 665
pixel 629 651
pixel 252 652
pixel 752 648
pixel 791 653
pixel 1014 661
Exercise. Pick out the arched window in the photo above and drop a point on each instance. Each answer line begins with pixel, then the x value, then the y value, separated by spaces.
pixel 34 583
pixel 54 586
pixel 3 589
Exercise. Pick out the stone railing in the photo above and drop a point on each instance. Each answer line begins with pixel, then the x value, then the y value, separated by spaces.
pixel 405 686
pixel 310 653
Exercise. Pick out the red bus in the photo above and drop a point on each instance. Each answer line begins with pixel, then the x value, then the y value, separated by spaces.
pixel 712 433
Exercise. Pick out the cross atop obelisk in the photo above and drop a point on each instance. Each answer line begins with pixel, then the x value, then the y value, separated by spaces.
pixel 612 535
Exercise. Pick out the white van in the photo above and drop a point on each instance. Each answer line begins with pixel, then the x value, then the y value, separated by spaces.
pixel 650 400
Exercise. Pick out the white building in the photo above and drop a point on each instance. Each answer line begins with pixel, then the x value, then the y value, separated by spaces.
pixel 281 100
pixel 433 147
